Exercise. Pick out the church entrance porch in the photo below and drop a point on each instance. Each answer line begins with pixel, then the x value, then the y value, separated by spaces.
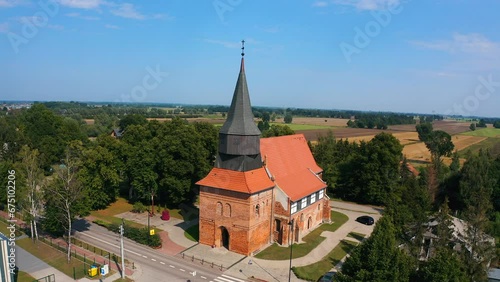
pixel 223 238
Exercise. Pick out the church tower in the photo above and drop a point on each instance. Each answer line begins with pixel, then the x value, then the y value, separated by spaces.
pixel 239 137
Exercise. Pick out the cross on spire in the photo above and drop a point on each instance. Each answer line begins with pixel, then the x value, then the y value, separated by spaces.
pixel 242 48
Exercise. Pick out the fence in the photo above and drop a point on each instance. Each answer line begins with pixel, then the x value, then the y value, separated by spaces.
pixel 202 261
pixel 88 259
pixel 49 278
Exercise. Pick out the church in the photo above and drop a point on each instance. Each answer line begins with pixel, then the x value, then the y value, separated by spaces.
pixel 260 191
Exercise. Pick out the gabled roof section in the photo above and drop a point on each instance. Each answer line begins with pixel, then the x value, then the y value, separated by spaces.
pixel 248 182
pixel 292 165
pixel 240 119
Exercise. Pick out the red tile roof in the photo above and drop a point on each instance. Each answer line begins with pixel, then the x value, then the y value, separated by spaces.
pixel 288 159
pixel 249 182
pixel 291 163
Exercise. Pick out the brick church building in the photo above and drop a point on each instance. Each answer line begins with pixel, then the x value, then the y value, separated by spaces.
pixel 260 191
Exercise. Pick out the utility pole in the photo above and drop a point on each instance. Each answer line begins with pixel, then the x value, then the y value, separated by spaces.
pixel 290 231
pixel 121 250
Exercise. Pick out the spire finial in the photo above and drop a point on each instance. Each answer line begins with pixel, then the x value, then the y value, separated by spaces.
pixel 242 48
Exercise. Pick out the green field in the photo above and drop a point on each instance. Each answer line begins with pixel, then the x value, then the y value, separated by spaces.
pixel 313 272
pixel 311 241
pixel 484 132
pixel 491 144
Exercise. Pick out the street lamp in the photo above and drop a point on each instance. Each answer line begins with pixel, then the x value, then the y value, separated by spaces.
pixel 291 248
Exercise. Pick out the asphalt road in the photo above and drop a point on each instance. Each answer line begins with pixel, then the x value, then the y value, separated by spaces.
pixel 154 266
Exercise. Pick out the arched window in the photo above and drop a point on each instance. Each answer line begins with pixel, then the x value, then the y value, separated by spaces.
pixel 218 209
pixel 257 210
pixel 227 210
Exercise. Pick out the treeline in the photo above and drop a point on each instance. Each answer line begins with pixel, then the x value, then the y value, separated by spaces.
pixel 376 172
pixel 60 173
pixel 81 110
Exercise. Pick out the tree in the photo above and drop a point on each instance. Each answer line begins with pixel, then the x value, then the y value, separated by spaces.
pixel 134 119
pixel 266 117
pixel 445 266
pixel 66 192
pixel 277 130
pixel 476 188
pixel 481 123
pixel 378 258
pixel 472 126
pixel 439 144
pixel 99 173
pixel 496 124
pixel 288 118
pixel 371 175
pixel 31 200
pixel 424 130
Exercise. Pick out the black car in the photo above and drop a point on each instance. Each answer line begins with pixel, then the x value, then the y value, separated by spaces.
pixel 367 220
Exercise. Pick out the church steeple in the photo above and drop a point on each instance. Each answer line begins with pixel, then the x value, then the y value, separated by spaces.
pixel 239 137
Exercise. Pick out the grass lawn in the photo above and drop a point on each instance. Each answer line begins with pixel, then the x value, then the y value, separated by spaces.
pixel 301 126
pixel 193 233
pixel 314 271
pixel 53 257
pixel 109 214
pixel 24 277
pixel 486 144
pixel 484 132
pixel 6 232
pixel 312 240
pixel 357 236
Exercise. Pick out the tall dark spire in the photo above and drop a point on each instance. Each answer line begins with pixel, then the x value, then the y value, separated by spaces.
pixel 239 137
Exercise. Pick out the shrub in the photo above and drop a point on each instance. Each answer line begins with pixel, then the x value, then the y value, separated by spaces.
pixel 138 207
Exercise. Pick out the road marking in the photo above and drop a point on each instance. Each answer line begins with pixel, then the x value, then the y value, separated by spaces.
pixel 144 256
pixel 171 266
pixel 162 262
pixel 222 279
pixel 203 277
pixel 106 242
pixel 234 278
pixel 153 259
pixel 181 269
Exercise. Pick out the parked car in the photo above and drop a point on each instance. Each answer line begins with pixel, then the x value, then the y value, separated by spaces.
pixel 365 219
pixel 328 277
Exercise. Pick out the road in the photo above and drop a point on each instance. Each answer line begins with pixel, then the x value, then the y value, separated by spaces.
pixel 154 266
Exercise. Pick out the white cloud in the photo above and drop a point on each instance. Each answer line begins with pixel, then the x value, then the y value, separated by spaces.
pixel 474 43
pixel 83 17
pixel 370 5
pixel 320 4
pixel 81 4
pixel 4 27
pixel 11 3
pixel 127 10
pixel 110 26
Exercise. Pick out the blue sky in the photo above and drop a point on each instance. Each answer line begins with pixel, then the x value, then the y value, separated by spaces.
pixel 426 56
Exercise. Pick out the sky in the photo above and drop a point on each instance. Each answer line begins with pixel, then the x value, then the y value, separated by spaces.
pixel 426 56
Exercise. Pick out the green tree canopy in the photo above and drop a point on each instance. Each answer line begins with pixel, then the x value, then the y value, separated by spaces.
pixel 379 258
pixel 424 130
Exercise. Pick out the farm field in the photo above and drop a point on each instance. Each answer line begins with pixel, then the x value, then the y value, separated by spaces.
pixel 491 144
pixel 484 132
pixel 451 127
pixel 418 152
pixel 403 137
pixel 327 122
